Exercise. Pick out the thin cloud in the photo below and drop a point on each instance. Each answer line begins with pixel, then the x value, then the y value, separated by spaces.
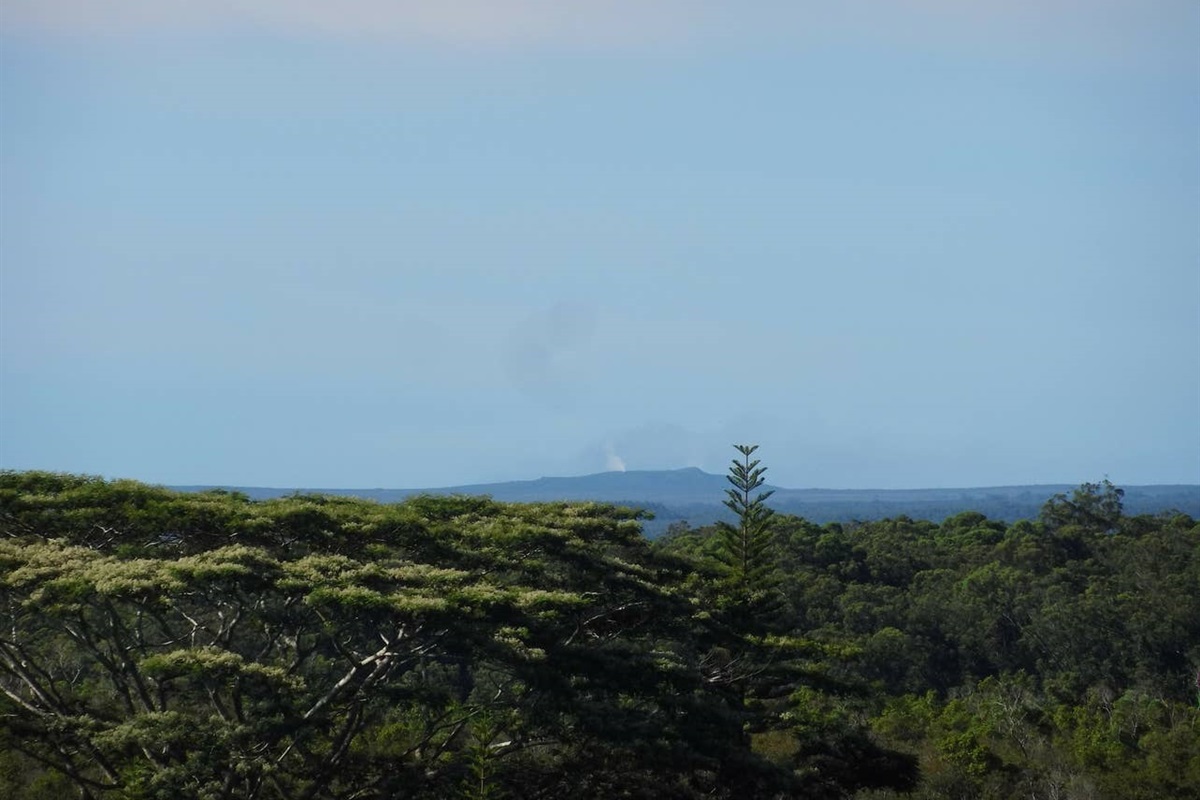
pixel 612 24
pixel 458 22
pixel 545 357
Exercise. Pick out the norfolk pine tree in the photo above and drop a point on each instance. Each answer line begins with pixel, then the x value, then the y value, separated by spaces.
pixel 746 545
pixel 749 593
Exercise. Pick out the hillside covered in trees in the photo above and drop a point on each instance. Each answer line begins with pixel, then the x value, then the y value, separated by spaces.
pixel 159 644
pixel 693 496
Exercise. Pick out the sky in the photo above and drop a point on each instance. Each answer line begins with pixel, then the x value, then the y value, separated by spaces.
pixel 295 243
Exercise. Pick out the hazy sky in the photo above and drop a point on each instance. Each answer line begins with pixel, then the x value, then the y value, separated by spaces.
pixel 912 243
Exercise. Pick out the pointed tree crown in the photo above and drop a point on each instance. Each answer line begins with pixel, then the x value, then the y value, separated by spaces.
pixel 746 476
pixel 746 545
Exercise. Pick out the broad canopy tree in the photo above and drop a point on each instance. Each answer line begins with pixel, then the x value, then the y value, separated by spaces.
pixel 163 645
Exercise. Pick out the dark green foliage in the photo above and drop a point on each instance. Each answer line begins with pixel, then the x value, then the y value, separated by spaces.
pixel 164 645
pixel 1094 507
pixel 1056 658
pixel 745 547
pixel 748 596
pixel 796 710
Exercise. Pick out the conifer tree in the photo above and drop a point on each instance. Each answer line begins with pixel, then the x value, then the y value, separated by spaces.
pixel 745 547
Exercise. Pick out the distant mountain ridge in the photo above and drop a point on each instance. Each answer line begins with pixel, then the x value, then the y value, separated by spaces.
pixel 693 496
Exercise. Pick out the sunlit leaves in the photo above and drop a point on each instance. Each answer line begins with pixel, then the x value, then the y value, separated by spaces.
pixel 167 645
pixel 213 664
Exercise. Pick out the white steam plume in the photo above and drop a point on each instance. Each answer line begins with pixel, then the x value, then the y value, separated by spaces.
pixel 612 461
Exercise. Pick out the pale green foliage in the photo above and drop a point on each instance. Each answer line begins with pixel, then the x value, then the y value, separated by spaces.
pixel 156 645
pixel 213 663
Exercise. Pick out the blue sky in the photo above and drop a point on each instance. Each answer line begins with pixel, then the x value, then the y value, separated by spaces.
pixel 411 244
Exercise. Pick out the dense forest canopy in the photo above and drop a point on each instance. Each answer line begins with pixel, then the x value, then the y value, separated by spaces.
pixel 156 644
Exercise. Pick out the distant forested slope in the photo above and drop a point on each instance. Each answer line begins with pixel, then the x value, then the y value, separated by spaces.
pixel 694 497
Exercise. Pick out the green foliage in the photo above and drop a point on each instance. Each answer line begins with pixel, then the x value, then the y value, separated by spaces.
pixel 1093 507
pixel 1004 738
pixel 745 548
pixel 1055 658
pixel 164 645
